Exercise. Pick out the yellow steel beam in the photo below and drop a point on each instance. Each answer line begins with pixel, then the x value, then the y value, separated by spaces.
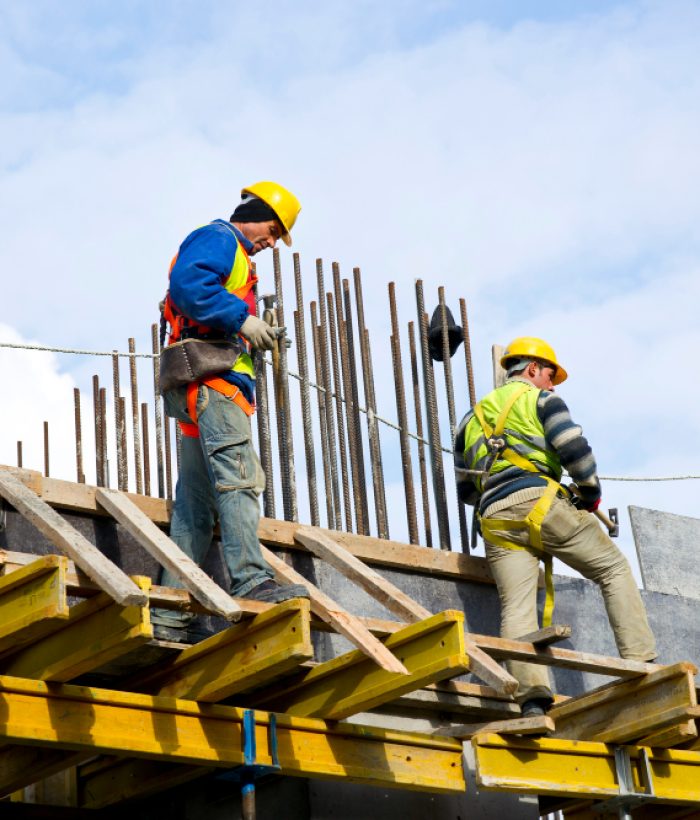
pixel 32 601
pixel 431 650
pixel 241 657
pixel 576 768
pixel 63 716
pixel 96 632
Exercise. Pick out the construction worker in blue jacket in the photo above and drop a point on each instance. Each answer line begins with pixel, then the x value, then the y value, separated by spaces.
pixel 211 296
pixel 510 450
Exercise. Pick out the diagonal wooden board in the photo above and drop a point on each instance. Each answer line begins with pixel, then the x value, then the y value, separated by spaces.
pixel 396 601
pixel 332 613
pixel 168 554
pixel 539 725
pixel 94 564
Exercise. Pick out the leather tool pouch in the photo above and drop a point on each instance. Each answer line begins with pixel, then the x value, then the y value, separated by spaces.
pixel 193 359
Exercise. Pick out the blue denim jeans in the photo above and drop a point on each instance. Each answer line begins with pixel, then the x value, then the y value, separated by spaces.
pixel 220 478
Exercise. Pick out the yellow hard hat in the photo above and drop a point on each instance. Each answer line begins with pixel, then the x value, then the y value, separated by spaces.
pixel 529 347
pixel 282 202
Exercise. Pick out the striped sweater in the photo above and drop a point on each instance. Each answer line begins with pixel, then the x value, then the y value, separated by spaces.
pixel 562 436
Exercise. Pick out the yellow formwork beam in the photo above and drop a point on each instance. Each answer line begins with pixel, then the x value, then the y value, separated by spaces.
pixel 431 650
pixel 239 658
pixel 572 768
pixel 32 601
pixel 77 718
pixel 96 632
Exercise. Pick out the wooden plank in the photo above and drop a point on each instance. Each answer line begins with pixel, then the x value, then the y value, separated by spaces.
pixel 505 648
pixel 97 566
pixel 168 554
pixel 101 721
pixel 539 725
pixel 32 601
pixel 240 658
pixel 682 733
pixel 548 635
pixel 449 703
pixel 383 591
pixel 343 622
pixel 96 632
pixel 431 650
pixel 567 768
pixel 624 711
pixel 488 669
pixel 280 534
pixel 21 766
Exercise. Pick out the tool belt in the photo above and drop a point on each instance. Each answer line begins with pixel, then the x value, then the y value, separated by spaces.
pixel 194 359
pixel 191 429
pixel 533 520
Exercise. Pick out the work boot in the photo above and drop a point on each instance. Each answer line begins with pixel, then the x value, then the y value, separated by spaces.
pixel 270 592
pixel 537 707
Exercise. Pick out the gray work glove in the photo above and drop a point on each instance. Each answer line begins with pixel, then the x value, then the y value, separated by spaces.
pixel 259 333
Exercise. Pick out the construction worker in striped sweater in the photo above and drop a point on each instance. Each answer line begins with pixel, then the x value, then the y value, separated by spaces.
pixel 510 450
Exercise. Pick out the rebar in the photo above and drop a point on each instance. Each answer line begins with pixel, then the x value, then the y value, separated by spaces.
pixel 431 411
pixel 168 459
pixel 99 474
pixel 467 352
pixel 178 446
pixel 146 449
pixel 422 468
pixel 122 437
pixel 264 437
pixel 326 382
pixel 304 392
pixel 103 422
pixel 362 523
pixel 46 449
pixel 375 449
pixel 135 417
pixel 291 512
pixel 402 416
pixel 347 506
pixel 348 402
pixel 158 413
pixel 19 454
pixel 449 390
pixel 80 475
pixel 122 481
pixel 321 398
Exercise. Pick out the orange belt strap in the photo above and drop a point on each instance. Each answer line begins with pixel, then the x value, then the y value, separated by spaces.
pixel 221 386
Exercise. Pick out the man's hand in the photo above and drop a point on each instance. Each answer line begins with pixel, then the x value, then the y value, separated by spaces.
pixel 259 333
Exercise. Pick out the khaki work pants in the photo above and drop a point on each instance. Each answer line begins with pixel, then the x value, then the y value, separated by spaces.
pixel 577 539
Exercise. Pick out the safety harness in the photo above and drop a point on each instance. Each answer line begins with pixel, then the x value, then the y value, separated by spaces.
pixel 498 449
pixel 191 429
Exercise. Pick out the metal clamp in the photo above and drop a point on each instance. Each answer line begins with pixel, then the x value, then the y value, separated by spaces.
pixel 628 797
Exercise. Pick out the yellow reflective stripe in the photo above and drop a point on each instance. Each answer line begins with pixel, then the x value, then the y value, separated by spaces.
pixel 503 416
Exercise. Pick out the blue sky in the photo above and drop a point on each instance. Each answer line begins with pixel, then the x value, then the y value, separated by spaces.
pixel 539 159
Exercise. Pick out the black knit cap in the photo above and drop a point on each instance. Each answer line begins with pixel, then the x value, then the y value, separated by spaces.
pixel 253 209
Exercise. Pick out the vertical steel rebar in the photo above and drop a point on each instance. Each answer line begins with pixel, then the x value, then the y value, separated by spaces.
pixel 80 475
pixel 304 392
pixel 146 449
pixel 431 410
pixel 121 472
pixel 264 436
pixel 449 390
pixel 135 417
pixel 348 401
pixel 292 510
pixel 122 439
pixel 322 398
pixel 326 382
pixel 419 433
pixel 339 413
pixel 103 422
pixel 99 451
pixel 46 449
pixel 372 429
pixel 363 522
pixel 168 459
pixel 467 352
pixel 19 454
pixel 158 411
pixel 402 416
